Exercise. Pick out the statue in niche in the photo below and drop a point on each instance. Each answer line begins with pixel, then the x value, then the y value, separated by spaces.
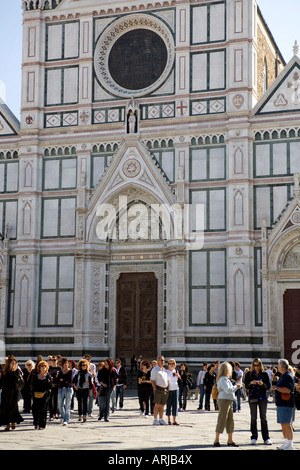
pixel 132 122
pixel 132 117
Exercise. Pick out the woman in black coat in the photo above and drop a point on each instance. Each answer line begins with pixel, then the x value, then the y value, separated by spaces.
pixel 11 383
pixel 209 381
pixel 107 378
pixel 41 388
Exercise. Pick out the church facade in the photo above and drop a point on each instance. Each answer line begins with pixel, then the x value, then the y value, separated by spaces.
pixel 150 193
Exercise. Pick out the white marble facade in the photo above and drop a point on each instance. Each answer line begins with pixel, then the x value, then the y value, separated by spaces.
pixel 198 133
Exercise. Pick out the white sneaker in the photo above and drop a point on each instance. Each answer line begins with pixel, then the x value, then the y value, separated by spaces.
pixel 155 422
pixel 162 422
pixel 287 446
pixel 282 445
pixel 253 442
pixel 268 442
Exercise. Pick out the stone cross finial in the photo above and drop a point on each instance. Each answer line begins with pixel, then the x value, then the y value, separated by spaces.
pixel 296 48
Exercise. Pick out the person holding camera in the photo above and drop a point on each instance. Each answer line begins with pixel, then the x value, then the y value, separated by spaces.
pixel 257 384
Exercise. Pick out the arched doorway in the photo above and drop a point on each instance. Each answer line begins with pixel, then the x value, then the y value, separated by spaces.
pixel 291 304
pixel 136 315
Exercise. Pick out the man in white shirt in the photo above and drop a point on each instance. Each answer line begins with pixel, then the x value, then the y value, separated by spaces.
pixel 239 392
pixel 160 384
pixel 200 385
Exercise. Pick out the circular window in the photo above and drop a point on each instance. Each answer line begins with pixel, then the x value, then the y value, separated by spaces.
pixel 134 55
pixel 137 59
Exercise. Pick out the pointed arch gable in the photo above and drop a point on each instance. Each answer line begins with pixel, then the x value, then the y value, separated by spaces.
pixel 126 199
pixel 133 173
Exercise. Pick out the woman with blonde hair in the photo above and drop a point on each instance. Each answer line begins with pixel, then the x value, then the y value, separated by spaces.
pixel 173 398
pixel 226 391
pixel 41 388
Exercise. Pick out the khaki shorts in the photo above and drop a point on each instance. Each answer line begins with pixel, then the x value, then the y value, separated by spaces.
pixel 161 396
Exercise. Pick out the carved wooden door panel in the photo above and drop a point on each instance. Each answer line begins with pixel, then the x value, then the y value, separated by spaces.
pixel 136 315
pixel 291 322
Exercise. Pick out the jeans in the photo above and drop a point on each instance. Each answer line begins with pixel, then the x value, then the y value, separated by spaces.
pixel 82 397
pixel 183 391
pixel 104 402
pixel 201 395
pixel 172 403
pixel 90 403
pixel 237 402
pixel 64 403
pixel 262 406
pixel 120 395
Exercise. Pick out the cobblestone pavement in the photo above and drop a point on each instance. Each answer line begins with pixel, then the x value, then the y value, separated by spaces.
pixel 127 430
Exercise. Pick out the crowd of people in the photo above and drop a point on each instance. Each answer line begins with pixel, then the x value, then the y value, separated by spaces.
pixel 49 387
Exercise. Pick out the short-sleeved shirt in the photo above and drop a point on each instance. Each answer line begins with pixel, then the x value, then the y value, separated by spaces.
pixel 286 380
pixel 159 376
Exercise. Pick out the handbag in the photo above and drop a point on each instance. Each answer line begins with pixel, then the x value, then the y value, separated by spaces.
pixel 189 382
pixel 214 392
pixel 285 396
pixel 20 383
pixel 39 394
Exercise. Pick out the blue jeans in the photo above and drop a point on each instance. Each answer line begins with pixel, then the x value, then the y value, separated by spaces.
pixel 120 395
pixel 201 395
pixel 104 402
pixel 64 403
pixel 172 403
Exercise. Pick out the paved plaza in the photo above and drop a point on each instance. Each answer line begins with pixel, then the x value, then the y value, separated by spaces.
pixel 127 430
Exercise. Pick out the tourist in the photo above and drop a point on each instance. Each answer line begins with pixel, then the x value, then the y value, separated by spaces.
pixel 97 385
pixel 11 383
pixel 297 387
pixel 92 369
pixel 145 388
pixel 200 385
pixel 183 386
pixel 257 384
pixel 82 383
pixel 121 384
pixel 172 403
pixel 133 363
pixel 285 403
pixel 239 392
pixel 65 391
pixel 107 378
pixel 226 391
pixel 160 384
pixel 73 367
pixel 41 388
pixel 153 364
pixel 54 369
pixel 209 381
pixel 26 390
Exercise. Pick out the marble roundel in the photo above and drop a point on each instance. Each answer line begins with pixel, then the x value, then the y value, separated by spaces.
pixel 131 168
pixel 134 55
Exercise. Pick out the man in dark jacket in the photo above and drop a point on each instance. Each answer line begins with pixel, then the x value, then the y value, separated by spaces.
pixel 121 384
